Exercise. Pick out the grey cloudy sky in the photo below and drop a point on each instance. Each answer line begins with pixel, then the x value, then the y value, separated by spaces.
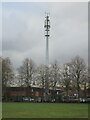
pixel 23 31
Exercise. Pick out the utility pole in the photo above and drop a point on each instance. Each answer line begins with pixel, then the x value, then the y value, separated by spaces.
pixel 47 29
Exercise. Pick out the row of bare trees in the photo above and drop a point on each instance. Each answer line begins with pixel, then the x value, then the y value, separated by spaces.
pixel 73 75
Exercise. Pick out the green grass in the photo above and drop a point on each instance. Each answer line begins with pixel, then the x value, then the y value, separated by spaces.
pixel 44 110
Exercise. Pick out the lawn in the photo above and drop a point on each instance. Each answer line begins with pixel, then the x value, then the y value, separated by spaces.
pixel 44 110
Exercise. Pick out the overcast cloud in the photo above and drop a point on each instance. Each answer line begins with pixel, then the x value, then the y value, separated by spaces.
pixel 23 31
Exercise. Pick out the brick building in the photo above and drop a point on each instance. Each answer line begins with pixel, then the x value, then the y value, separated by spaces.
pixel 26 93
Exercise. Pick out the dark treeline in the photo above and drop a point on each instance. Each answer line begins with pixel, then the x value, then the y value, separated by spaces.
pixel 72 76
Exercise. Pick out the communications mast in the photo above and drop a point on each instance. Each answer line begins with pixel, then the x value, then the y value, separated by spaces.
pixel 47 35
pixel 47 29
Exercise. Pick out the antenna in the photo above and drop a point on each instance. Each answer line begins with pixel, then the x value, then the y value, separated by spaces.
pixel 47 35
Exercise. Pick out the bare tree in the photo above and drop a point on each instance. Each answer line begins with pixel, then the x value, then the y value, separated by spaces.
pixel 26 72
pixel 7 75
pixel 78 67
pixel 47 82
pixel 84 81
pixel 66 78
pixel 20 76
pixel 40 78
pixel 55 75
pixel 43 77
pixel 7 72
